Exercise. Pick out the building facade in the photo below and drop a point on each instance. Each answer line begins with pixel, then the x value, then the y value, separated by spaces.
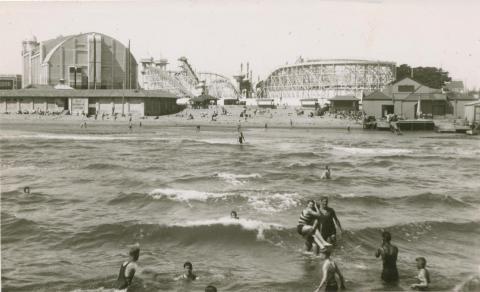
pixel 324 79
pixel 409 99
pixel 92 102
pixel 85 61
pixel 10 81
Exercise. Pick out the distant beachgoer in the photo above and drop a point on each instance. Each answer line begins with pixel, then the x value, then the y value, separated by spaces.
pixel 128 269
pixel 330 269
pixel 241 138
pixel 423 277
pixel 26 190
pixel 234 215
pixel 326 174
pixel 130 126
pixel 210 288
pixel 291 123
pixel 266 126
pixel 327 228
pixel 348 129
pixel 389 254
pixel 239 127
pixel 308 227
pixel 198 128
pixel 140 124
pixel 188 272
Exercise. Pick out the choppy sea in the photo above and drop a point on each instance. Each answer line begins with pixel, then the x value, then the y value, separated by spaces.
pixel 95 191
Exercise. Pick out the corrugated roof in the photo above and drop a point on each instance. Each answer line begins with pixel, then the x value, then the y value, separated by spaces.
pixel 86 93
pixel 456 84
pixel 377 95
pixel 474 103
pixel 344 98
pixel 459 96
pixel 425 96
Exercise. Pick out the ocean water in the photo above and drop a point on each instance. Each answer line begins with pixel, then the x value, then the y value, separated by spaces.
pixel 95 191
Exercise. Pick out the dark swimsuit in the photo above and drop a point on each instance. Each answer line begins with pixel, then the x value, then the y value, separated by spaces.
pixel 390 272
pixel 122 281
pixel 328 225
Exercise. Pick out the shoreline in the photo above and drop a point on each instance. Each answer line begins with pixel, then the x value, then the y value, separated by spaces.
pixel 277 119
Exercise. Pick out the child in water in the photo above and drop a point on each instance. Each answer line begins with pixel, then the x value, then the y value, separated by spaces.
pixel 423 275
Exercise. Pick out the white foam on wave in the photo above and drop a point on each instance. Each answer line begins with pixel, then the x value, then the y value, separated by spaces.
pixel 263 202
pixel 372 151
pixel 237 179
pixel 274 203
pixel 184 195
pixel 247 224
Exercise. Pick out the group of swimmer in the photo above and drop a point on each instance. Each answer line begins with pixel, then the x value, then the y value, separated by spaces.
pixel 317 225
pixel 129 267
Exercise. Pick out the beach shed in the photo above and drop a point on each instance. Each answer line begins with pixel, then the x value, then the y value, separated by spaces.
pixel 344 103
pixel 377 104
pixel 458 102
pixel 472 112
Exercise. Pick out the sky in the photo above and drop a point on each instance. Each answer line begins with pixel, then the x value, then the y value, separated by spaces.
pixel 216 36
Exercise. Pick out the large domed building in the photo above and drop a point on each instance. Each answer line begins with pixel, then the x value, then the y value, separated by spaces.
pixel 84 61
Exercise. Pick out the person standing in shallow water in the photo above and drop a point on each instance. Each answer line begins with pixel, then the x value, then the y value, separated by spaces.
pixel 128 269
pixel 330 269
pixel 389 253
pixel 327 229
pixel 241 138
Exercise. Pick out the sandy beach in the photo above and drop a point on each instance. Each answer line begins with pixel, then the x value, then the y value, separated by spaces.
pixel 257 118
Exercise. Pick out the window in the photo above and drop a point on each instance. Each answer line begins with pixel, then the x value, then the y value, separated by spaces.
pixel 6 84
pixel 406 88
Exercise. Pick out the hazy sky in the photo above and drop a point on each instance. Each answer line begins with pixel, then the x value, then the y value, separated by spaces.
pixel 218 35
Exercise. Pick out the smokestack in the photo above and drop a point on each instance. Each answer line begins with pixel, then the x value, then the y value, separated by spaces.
pixel 248 69
pixel 241 68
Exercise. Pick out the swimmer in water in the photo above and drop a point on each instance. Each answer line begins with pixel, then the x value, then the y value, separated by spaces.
pixel 330 269
pixel 188 273
pixel 308 227
pixel 234 215
pixel 423 277
pixel 210 288
pixel 26 190
pixel 389 254
pixel 326 174
pixel 128 269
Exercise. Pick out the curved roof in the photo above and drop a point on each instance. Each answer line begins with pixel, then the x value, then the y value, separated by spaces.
pixel 56 43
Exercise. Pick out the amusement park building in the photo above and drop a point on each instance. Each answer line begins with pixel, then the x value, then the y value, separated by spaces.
pixel 85 61
pixel 324 79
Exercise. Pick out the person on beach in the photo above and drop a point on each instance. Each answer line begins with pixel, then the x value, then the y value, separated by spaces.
pixel 128 269
pixel 198 128
pixel 130 125
pixel 330 269
pixel 308 227
pixel 234 215
pixel 327 229
pixel 389 254
pixel 241 138
pixel 326 174
pixel 26 190
pixel 188 273
pixel 423 277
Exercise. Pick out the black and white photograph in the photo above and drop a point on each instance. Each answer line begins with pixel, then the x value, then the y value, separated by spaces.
pixel 240 146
